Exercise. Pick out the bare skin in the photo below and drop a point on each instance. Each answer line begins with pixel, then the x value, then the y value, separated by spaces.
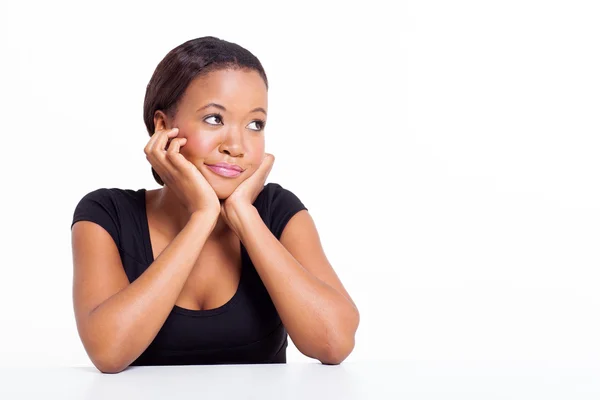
pixel 215 275
pixel 235 137
pixel 197 223
pixel 196 255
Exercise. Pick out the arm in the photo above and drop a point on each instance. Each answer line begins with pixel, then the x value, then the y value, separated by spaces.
pixel 116 320
pixel 313 305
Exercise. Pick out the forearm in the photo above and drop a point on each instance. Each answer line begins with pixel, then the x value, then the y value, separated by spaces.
pixel 320 320
pixel 125 324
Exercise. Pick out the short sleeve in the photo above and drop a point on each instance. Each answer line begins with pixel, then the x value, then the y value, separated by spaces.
pixel 99 207
pixel 284 204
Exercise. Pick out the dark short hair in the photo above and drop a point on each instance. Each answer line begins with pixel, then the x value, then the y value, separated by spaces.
pixel 186 62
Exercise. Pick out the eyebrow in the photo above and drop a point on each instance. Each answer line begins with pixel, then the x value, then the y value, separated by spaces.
pixel 257 109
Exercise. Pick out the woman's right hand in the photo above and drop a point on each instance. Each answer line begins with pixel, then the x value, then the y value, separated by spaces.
pixel 179 174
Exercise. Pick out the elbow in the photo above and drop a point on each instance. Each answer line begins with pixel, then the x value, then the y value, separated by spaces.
pixel 104 348
pixel 339 349
pixel 108 362
pixel 336 354
pixel 108 365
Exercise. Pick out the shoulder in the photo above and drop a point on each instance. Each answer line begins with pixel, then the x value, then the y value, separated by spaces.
pixel 108 199
pixel 276 193
pixel 109 195
pixel 277 205
pixel 106 207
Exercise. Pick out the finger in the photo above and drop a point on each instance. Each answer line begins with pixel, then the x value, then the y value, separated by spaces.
pixel 267 164
pixel 263 170
pixel 156 156
pixel 161 141
pixel 267 167
pixel 258 179
pixel 173 154
pixel 261 177
pixel 175 145
pixel 154 138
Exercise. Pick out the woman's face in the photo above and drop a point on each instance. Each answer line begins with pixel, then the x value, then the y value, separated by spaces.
pixel 222 115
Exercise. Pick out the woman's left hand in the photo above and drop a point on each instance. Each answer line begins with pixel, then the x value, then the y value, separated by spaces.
pixel 246 193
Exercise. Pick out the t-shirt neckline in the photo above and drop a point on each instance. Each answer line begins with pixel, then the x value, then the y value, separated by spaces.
pixel 149 256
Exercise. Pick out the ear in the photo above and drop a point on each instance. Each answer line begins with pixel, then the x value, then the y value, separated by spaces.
pixel 161 121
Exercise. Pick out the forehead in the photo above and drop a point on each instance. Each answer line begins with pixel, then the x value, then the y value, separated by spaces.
pixel 237 90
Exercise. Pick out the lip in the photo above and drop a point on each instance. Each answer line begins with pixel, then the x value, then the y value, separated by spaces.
pixel 225 170
pixel 227 165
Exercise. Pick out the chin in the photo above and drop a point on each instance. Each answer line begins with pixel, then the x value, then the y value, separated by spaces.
pixel 222 197
pixel 222 193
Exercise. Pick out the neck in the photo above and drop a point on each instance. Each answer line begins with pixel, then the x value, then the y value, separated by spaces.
pixel 172 214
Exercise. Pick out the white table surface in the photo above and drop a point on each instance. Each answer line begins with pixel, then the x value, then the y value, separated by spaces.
pixel 350 380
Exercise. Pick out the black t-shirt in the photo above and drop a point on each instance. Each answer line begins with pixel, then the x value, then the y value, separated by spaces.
pixel 247 329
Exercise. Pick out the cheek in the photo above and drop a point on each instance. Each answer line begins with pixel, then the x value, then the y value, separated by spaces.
pixel 197 146
pixel 257 158
pixel 258 152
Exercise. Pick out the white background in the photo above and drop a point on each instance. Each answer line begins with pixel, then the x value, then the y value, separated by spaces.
pixel 448 152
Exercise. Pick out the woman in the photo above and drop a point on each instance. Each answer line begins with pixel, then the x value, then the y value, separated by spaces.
pixel 214 267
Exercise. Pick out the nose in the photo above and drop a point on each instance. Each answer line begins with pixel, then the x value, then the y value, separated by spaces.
pixel 232 143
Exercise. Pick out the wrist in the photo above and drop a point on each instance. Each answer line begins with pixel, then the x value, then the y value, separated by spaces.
pixel 239 207
pixel 243 216
pixel 204 216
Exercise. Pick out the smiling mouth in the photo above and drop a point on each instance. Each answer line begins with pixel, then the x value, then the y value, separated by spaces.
pixel 225 172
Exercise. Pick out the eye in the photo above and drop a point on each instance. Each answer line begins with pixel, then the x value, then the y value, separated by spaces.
pixel 216 116
pixel 260 124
